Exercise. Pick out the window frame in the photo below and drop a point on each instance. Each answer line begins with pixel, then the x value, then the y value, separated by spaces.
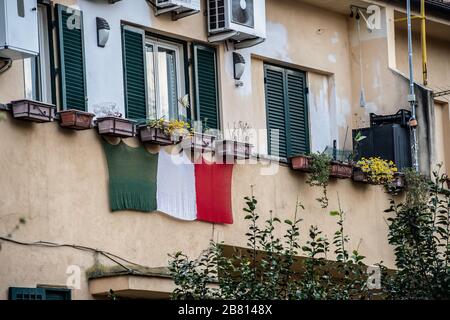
pixel 157 43
pixel 42 66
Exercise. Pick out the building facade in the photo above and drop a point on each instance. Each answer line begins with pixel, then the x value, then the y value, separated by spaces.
pixel 306 66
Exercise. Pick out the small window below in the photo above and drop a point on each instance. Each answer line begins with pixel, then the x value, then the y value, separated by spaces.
pixel 42 293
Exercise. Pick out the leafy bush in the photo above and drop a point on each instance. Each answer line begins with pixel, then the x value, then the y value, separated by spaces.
pixel 270 267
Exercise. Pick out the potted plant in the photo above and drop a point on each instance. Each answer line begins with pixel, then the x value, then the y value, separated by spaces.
pixel 111 123
pixel 163 132
pixel 33 111
pixel 374 171
pixel 239 146
pixel 397 185
pixel 76 119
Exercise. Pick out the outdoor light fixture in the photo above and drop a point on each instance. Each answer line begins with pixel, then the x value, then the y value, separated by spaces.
pixel 239 68
pixel 102 32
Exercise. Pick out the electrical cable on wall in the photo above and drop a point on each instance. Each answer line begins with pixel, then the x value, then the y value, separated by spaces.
pixel 114 258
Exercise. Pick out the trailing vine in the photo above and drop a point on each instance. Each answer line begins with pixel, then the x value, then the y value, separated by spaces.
pixel 320 175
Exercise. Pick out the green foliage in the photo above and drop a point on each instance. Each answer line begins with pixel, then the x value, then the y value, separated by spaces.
pixel 320 175
pixel 270 268
pixel 419 233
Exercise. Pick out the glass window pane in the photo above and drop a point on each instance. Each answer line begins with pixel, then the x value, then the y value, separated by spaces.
pixel 29 69
pixel 167 81
pixel 151 86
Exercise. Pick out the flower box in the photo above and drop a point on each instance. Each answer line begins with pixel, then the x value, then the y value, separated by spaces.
pixel 230 148
pixel 199 142
pixel 397 185
pixel 75 119
pixel 302 163
pixel 360 176
pixel 341 170
pixel 156 136
pixel 33 111
pixel 116 127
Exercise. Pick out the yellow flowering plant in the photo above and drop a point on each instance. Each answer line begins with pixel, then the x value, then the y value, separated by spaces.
pixel 178 127
pixel 378 171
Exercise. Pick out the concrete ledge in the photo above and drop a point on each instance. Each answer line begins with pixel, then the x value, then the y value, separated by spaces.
pixel 132 287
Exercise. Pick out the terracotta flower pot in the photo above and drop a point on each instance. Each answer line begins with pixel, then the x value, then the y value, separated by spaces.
pixel 75 119
pixel 360 176
pixel 155 136
pixel 235 149
pixel 302 163
pixel 199 142
pixel 33 111
pixel 341 170
pixel 116 127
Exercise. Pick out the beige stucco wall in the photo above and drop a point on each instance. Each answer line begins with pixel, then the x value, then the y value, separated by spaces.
pixel 57 181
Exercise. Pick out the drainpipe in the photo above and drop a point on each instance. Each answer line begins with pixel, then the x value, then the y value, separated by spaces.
pixel 424 43
pixel 412 97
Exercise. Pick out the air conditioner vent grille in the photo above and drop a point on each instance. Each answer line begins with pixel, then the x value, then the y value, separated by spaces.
pixel 216 14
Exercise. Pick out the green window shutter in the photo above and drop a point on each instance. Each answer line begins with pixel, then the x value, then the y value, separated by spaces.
pixel 206 86
pixel 27 294
pixel 297 113
pixel 133 46
pixel 72 58
pixel 287 112
pixel 276 112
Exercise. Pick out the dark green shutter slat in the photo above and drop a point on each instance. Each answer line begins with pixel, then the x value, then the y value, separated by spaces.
pixel 287 111
pixel 206 87
pixel 72 61
pixel 134 74
pixel 276 119
pixel 27 294
pixel 297 113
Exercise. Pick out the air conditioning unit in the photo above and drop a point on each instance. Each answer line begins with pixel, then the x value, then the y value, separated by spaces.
pixel 178 8
pixel 187 4
pixel 238 20
pixel 18 29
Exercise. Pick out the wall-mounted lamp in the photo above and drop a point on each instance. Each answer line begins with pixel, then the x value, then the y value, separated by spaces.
pixel 239 68
pixel 102 32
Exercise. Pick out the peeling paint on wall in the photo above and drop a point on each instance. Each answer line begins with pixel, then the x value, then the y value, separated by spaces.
pixel 276 45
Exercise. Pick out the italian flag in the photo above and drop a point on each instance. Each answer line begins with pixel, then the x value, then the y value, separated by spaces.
pixel 168 183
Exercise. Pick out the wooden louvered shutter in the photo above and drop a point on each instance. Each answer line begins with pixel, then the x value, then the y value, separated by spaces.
pixel 206 86
pixel 298 124
pixel 287 112
pixel 72 58
pixel 134 73
pixel 276 112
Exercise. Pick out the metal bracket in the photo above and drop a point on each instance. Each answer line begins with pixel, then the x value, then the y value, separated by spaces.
pixel 176 16
pixel 248 43
pixel 222 36
pixel 159 11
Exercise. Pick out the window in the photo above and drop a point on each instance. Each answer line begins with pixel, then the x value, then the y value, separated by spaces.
pixel 165 80
pixel 41 293
pixel 287 112
pixel 154 76
pixel 37 70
